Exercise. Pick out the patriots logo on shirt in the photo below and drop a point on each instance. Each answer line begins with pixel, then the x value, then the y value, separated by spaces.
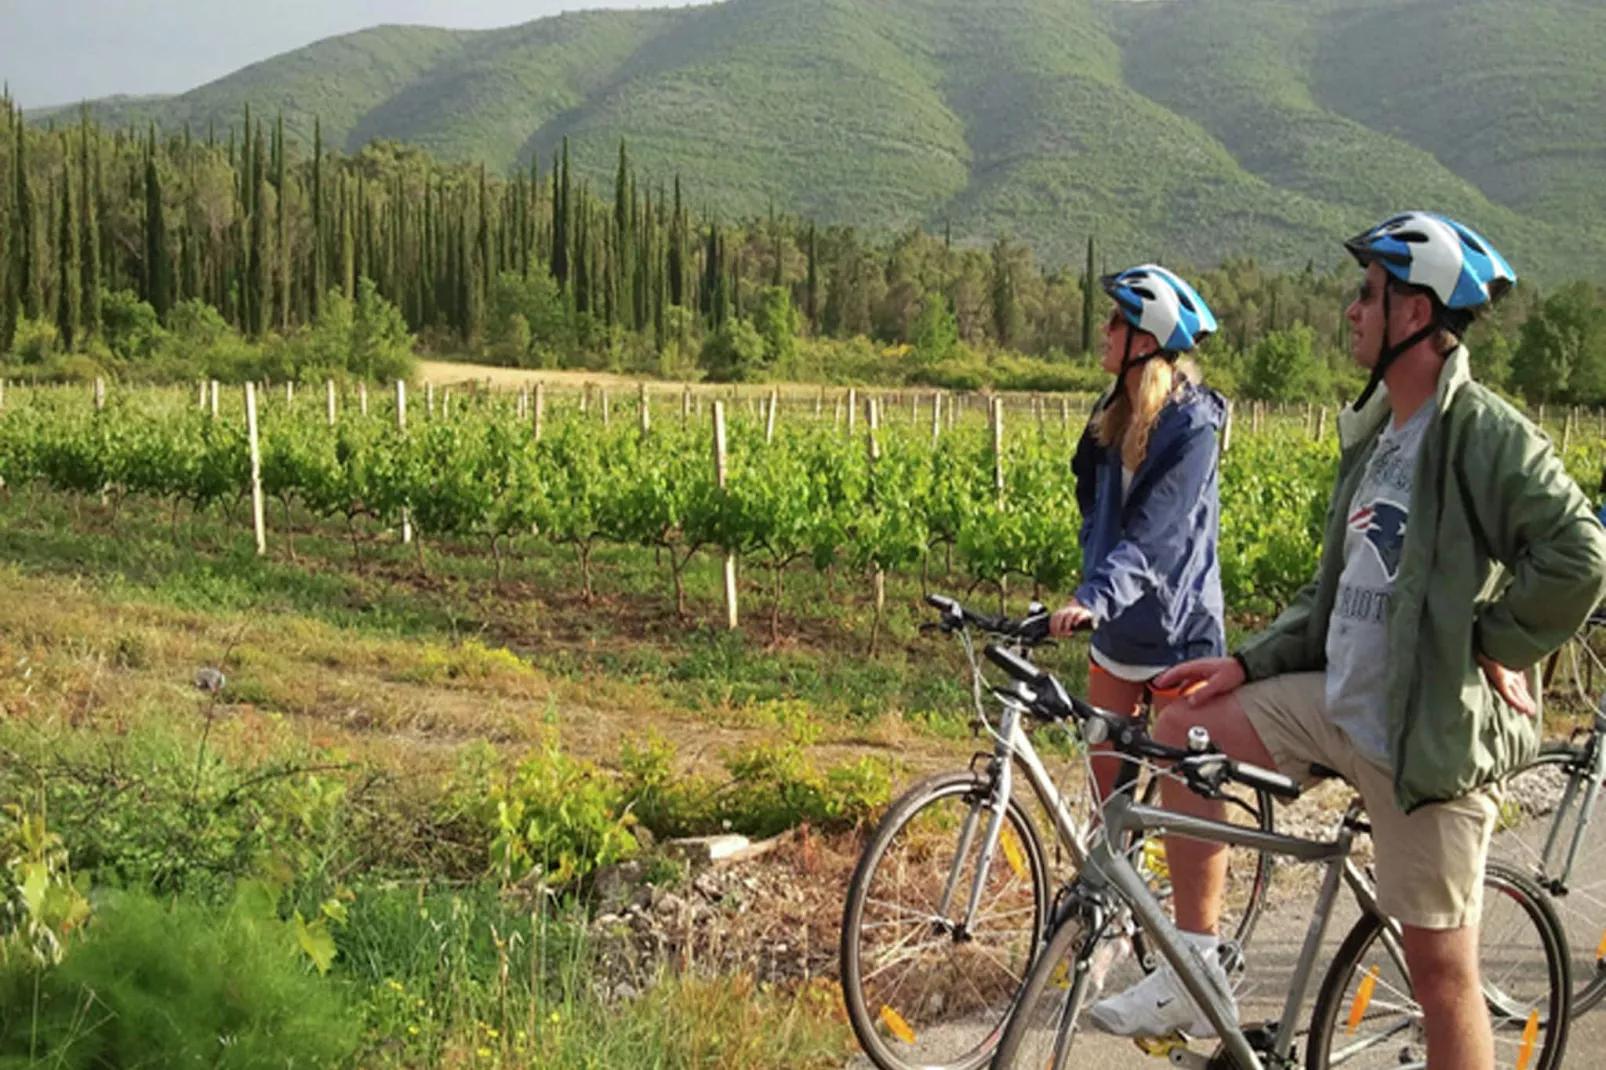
pixel 1383 524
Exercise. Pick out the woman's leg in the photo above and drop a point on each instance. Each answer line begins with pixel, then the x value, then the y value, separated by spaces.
pixel 1118 696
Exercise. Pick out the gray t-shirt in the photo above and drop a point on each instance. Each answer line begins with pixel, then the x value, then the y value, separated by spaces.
pixel 1358 649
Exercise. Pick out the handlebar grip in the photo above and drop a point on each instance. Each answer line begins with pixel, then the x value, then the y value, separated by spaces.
pixel 1033 630
pixel 942 603
pixel 1018 667
pixel 1254 776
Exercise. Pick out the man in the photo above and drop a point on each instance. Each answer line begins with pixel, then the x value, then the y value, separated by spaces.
pixel 1458 553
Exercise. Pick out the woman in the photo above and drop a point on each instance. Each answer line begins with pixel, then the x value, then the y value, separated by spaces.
pixel 1146 483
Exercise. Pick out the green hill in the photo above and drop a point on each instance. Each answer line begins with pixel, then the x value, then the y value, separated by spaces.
pixel 1188 129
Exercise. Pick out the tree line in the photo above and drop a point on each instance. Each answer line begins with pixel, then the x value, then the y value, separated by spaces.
pixel 244 231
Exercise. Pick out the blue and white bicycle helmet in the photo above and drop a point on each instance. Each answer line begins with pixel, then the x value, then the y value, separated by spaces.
pixel 1158 301
pixel 1441 257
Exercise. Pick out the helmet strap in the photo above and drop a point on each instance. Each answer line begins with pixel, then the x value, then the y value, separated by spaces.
pixel 1390 353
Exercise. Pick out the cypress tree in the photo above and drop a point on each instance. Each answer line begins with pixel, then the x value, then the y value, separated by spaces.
pixel 483 266
pixel 623 238
pixel 315 293
pixel 1088 282
pixel 158 264
pixel 677 253
pixel 812 293
pixel 89 228
pixel 348 244
pixel 30 287
pixel 561 216
pixel 281 230
pixel 67 271
pixel 776 275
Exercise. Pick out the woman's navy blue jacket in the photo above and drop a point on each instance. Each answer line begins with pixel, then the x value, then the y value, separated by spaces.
pixel 1150 572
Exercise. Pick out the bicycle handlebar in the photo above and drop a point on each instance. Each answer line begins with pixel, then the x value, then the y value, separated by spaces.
pixel 1030 631
pixel 1203 771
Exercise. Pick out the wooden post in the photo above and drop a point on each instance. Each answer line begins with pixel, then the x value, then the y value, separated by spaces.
pixel 872 420
pixel 362 397
pixel 1566 429
pixel 214 398
pixel 719 476
pixel 540 408
pixel 1321 423
pixel 836 413
pixel 853 405
pixel 646 413
pixel 100 394
pixel 429 400
pixel 329 399
pixel 258 520
pixel 401 425
pixel 446 404
pixel 685 403
pixel 290 392
pixel 201 402
pixel 998 449
pixel 769 417
pixel 604 406
pixel 1065 416
pixel 585 399
pixel 936 417
pixel 819 403
pixel 1226 430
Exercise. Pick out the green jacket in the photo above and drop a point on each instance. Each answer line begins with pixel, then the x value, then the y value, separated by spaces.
pixel 1502 556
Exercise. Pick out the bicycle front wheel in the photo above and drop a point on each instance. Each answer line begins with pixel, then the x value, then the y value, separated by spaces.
pixel 1367 1015
pixel 1541 813
pixel 923 989
pixel 1043 1025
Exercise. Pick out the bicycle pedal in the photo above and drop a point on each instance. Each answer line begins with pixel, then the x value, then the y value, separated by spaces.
pixel 1161 1047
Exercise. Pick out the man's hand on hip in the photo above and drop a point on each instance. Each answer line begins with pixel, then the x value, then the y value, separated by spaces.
pixel 1510 685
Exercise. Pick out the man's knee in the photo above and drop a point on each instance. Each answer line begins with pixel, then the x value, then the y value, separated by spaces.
pixel 1444 966
pixel 1223 717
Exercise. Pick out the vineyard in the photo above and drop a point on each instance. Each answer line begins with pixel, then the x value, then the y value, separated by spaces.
pixel 857 485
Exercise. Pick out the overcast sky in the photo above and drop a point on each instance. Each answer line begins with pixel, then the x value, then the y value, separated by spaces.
pixel 64 51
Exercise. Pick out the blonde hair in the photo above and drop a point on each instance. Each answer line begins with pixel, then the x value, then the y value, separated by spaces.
pixel 1130 425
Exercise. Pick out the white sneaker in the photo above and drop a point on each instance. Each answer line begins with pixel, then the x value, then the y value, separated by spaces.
pixel 1158 1005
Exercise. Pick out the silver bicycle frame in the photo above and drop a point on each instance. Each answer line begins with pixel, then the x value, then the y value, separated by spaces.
pixel 1105 867
pixel 1010 745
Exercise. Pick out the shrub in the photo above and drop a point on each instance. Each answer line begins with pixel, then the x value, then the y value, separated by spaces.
pixel 158 984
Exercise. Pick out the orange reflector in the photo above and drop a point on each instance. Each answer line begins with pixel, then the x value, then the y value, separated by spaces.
pixel 1363 997
pixel 1530 1033
pixel 1012 852
pixel 898 1027
pixel 1062 976
pixel 1600 949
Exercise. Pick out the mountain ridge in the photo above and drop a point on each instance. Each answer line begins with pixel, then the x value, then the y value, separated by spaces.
pixel 1187 129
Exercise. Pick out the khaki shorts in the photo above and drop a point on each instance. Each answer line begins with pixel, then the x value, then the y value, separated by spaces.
pixel 1430 862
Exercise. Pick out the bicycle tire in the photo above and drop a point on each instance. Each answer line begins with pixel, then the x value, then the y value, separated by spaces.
pixel 1352 956
pixel 924 1052
pixel 1580 900
pixel 1029 1020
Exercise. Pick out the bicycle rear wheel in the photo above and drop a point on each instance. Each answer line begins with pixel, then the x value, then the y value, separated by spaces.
pixel 1366 1015
pixel 921 992
pixel 1540 814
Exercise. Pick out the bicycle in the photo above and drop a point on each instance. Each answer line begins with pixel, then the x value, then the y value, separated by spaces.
pixel 1563 783
pixel 935 944
pixel 1530 1025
